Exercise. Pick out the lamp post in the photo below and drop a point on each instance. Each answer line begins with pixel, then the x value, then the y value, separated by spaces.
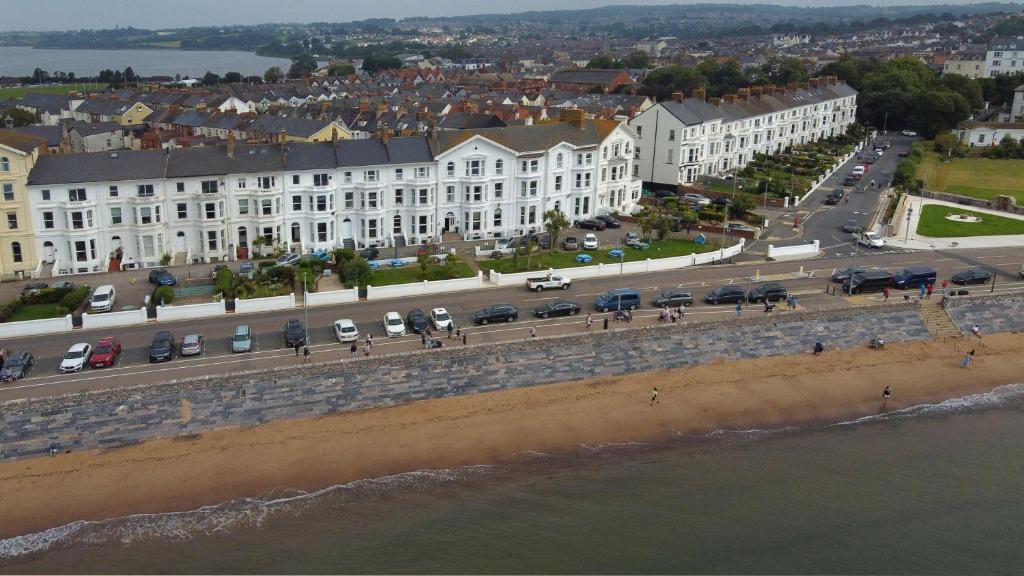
pixel 906 235
pixel 885 121
pixel 854 269
pixel 764 204
pixel 725 223
pixel 305 308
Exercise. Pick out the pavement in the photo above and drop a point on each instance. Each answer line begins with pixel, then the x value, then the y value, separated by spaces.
pixel 910 240
pixel 808 280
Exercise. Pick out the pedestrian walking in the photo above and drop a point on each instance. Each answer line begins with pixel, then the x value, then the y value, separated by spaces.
pixel 928 290
pixel 354 348
pixel 423 339
pixel 605 322
pixel 976 330
pixel 305 354
pixel 369 341
pixel 296 349
pixel 654 396
pixel 366 349
pixel 533 331
pixel 945 284
pixel 886 394
pixel 739 309
pixel 885 295
pixel 966 361
pixel 450 330
pixel 590 320
pixel 921 291
pixel 458 333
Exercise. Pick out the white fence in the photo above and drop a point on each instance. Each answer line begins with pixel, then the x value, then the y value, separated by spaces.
pixel 794 251
pixel 331 297
pixel 112 319
pixel 424 287
pixel 635 267
pixel 265 304
pixel 35 327
pixel 190 311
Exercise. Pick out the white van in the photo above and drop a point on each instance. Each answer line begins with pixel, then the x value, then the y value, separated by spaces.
pixel 103 299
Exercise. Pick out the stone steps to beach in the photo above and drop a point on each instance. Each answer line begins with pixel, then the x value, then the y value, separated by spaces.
pixel 938 322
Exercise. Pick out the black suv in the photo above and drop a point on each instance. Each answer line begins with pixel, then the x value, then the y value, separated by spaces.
pixel 369 253
pixel 769 291
pixel 417 320
pixel 591 224
pixel 673 298
pixel 162 277
pixel 609 221
pixel 162 348
pixel 294 333
pixel 725 295
pixel 496 313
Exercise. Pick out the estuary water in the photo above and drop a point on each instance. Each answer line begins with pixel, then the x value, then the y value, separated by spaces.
pixel 23 60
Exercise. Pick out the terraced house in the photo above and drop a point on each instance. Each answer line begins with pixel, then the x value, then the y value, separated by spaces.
pixel 98 211
pixel 18 154
pixel 680 140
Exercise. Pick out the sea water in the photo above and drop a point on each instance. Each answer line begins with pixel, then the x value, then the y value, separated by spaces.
pixel 935 489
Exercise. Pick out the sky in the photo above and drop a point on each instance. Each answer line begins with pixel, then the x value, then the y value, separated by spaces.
pixel 76 14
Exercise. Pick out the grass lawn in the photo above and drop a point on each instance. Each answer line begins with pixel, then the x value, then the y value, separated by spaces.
pixel 559 259
pixel 34 312
pixel 975 177
pixel 935 225
pixel 165 44
pixel 18 92
pixel 411 273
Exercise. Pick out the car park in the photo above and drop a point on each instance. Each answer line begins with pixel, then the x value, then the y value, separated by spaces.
pixel 33 288
pixel 590 242
pixel 417 320
pixel 369 253
pixel 767 292
pixel 162 347
pixel 869 281
pixel 852 226
pixel 618 299
pixel 729 294
pixel 496 313
pixel 17 366
pixel 843 274
pixel 441 319
pixel 161 277
pixel 673 298
pixel 393 325
pixel 914 277
pixel 192 345
pixel 241 340
pixel 557 308
pixel 103 298
pixel 609 221
pixel 106 352
pixel 591 224
pixel 570 243
pixel 971 276
pixel 345 330
pixel 293 334
pixel 75 358
pixel 289 259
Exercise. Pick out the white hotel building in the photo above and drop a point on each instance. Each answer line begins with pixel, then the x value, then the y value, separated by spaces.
pixel 680 140
pixel 209 204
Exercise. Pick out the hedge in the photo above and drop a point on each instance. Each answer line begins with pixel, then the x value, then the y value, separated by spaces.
pixel 163 295
pixel 74 299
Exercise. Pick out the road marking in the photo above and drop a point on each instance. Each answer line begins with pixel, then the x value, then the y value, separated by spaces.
pixel 542 299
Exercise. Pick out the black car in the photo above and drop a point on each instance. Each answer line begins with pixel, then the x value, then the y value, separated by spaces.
pixel 834 196
pixel 17 366
pixel 723 201
pixel 665 193
pixel 852 226
pixel 496 313
pixel 557 308
pixel 369 253
pixel 591 224
pixel 673 299
pixel 849 181
pixel 33 288
pixel 294 334
pixel 972 276
pixel 768 292
pixel 842 274
pixel 609 221
pixel 162 277
pixel 417 320
pixel 162 348
pixel 730 294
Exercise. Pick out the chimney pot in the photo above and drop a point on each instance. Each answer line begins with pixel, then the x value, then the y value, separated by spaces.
pixel 677 96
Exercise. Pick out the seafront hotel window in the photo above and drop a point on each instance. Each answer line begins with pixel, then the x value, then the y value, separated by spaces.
pixel 450 196
pixel 115 216
pixel 46 194
pixel 266 207
pixel 209 186
pixel 5 164
pixel 499 189
pixel 81 255
pixel 497 216
pixel 241 183
pixel 48 219
pixel 180 187
pixel 243 207
pixel 113 192
pixel 144 190
pixel 424 196
pixel 423 225
pixel 349 199
pixel 499 167
pixel 320 179
pixel 8 192
pixel 12 220
pixel 296 203
pixel 77 222
pixel 370 175
pixel 16 251
pixel 76 195
pixel 266 182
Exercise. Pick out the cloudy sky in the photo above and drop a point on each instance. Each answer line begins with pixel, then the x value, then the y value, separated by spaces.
pixel 74 14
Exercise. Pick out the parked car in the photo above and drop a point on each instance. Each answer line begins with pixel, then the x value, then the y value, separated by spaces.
pixel 552 281
pixel 869 239
pixel 63 285
pixel 591 224
pixel 609 221
pixel 590 242
pixel 18 365
pixel 33 288
pixel 75 358
pixel 345 330
pixel 294 333
pixel 217 269
pixel 852 226
pixel 618 299
pixel 393 325
pixel 673 298
pixel 843 274
pixel 869 281
pixel 289 259
pixel 729 294
pixel 192 345
pixel 496 313
pixel 661 194
pixel 879 152
pixel 632 239
pixel 241 341
pixel 557 308
pixel 417 320
pixel 103 298
pixel 369 253
pixel 914 277
pixel 441 319
pixel 570 243
pixel 767 292
pixel 105 353
pixel 162 347
pixel 909 133
pixel 722 201
pixel 849 181
pixel 738 227
pixel 972 276
pixel 247 268
pixel 544 241
pixel 698 200
pixel 903 154
pixel 161 277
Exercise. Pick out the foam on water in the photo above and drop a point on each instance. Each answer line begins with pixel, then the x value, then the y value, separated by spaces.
pixel 1001 396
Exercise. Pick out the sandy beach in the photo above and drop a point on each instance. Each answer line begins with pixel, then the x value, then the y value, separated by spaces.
pixel 186 473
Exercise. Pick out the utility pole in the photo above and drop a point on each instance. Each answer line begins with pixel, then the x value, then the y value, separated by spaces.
pixel 906 236
pixel 854 269
pixel 725 223
pixel 885 121
pixel 305 307
pixel 764 205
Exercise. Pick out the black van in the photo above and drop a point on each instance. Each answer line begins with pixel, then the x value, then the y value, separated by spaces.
pixel 915 277
pixel 868 281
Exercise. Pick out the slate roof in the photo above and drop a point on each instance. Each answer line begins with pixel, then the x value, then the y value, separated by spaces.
pixel 464 120
pixel 533 138
pixel 293 126
pixel 93 128
pixel 98 167
pixel 44 101
pixel 692 111
pixel 52 134
pixel 21 142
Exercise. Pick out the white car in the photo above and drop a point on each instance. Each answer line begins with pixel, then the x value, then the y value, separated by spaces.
pixel 879 153
pixel 590 242
pixel 394 326
pixel 441 319
pixel 910 133
pixel 870 239
pixel 345 330
pixel 858 170
pixel 698 199
pixel 75 358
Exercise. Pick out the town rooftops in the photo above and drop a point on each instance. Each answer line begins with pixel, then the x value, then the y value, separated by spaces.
pixel 533 138
pixel 93 128
pixel 24 143
pixel 692 111
pixel 292 126
pixel 1005 43
pixel 587 76
pixel 52 134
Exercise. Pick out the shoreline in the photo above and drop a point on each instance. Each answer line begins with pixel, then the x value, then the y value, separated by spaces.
pixel 186 473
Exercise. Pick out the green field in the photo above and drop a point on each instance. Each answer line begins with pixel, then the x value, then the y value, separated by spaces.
pixel 412 273
pixel 34 312
pixel 18 92
pixel 542 260
pixel 975 177
pixel 166 44
pixel 934 224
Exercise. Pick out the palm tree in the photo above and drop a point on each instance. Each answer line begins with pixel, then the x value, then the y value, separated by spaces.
pixel 554 222
pixel 647 221
pixel 258 243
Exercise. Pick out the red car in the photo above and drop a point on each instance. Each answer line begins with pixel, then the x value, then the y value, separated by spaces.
pixel 106 352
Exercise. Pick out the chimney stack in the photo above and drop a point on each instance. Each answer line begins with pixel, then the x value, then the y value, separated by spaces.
pixel 715 101
pixel 383 134
pixel 755 91
pixel 364 105
pixel 574 116
pixel 677 96
pixel 283 138
pixel 743 94
pixel 814 82
pixel 231 144
pixel 699 93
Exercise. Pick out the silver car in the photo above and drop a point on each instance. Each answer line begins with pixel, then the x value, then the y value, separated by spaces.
pixel 192 345
pixel 242 339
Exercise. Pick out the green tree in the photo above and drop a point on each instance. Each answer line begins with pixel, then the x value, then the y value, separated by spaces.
pixel 743 203
pixel 210 79
pixel 129 76
pixel 601 62
pixel 233 77
pixel 660 83
pixel 781 70
pixel 647 222
pixel 636 59
pixel 451 265
pixel 302 66
pixel 163 295
pixel 375 63
pixel 273 74
pixel 965 87
pixel 939 111
pixel 358 272
pixel 663 226
pixel 18 116
pixel 554 222
pixel 340 69
pixel 723 78
pixel 423 259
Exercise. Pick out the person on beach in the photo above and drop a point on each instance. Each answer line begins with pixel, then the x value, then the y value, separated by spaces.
pixel 921 291
pixel 976 330
pixel 818 348
pixel 886 394
pixel 966 361
pixel 945 284
pixel 366 349
pixel 654 396
pixel 590 320
pixel 423 339
pixel 533 331
pixel 928 290
pixel 305 354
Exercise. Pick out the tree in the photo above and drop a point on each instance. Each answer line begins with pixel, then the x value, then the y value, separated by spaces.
pixel 233 78
pixel 723 78
pixel 743 203
pixel 358 272
pixel 339 69
pixel 662 82
pixel 40 76
pixel 302 66
pixel 965 87
pixel 636 59
pixel 451 264
pixel 18 116
pixel 374 63
pixel 601 62
pixel 781 70
pixel 129 76
pixel 647 221
pixel 663 226
pixel 210 79
pixel 423 259
pixel 273 74
pixel 554 222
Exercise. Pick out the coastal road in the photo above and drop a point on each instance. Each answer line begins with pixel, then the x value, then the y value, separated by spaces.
pixel 133 367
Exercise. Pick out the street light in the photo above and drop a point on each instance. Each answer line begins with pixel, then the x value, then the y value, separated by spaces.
pixel 764 205
pixel 854 269
pixel 906 236
pixel 305 308
pixel 884 122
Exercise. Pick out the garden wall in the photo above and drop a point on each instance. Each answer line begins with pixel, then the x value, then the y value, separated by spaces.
pixel 265 304
pixel 35 327
pixel 114 319
pixel 331 297
pixel 425 287
pixel 190 311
